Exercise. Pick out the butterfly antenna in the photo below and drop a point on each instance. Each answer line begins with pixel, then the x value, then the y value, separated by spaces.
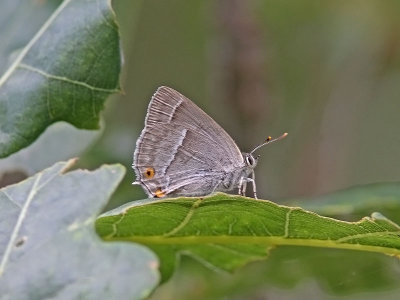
pixel 269 140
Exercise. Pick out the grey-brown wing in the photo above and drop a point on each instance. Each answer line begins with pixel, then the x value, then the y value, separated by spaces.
pixel 181 144
pixel 165 160
pixel 168 106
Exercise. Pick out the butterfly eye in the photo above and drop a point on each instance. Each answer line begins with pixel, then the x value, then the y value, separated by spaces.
pixel 250 160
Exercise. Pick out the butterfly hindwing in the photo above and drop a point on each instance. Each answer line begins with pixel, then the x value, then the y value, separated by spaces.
pixel 181 148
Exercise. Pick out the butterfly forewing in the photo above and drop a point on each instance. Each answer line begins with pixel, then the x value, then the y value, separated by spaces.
pixel 169 154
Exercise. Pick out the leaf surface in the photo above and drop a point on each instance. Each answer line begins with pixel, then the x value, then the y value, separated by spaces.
pixel 64 72
pixel 48 246
pixel 225 232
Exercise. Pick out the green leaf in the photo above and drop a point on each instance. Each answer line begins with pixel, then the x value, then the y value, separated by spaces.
pixel 225 231
pixel 337 271
pixel 48 246
pixel 14 15
pixel 65 72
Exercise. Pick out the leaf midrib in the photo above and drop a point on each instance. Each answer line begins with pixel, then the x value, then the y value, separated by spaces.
pixel 21 218
pixel 25 50
pixel 256 240
pixel 36 187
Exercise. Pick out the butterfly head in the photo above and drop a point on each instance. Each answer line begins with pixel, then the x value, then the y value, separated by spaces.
pixel 250 160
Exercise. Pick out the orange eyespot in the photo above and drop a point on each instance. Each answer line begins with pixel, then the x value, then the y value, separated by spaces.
pixel 159 193
pixel 149 173
pixel 268 139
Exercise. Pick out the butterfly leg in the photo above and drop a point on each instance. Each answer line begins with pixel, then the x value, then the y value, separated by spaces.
pixel 253 180
pixel 244 186
pixel 240 186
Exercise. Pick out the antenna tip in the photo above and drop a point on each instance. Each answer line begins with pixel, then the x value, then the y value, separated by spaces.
pixel 285 134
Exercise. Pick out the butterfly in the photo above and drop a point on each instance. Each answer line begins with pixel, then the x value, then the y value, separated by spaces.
pixel 182 151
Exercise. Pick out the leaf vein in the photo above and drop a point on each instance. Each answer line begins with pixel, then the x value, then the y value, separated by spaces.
pixel 287 221
pixel 185 220
pixel 37 36
pixel 11 199
pixel 114 226
pixel 65 79
pixel 266 229
pixel 21 218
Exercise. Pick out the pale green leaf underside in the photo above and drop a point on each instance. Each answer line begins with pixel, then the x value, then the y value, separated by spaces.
pixel 227 231
pixel 48 246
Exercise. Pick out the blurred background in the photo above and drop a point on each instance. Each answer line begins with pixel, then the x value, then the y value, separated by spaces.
pixel 326 72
